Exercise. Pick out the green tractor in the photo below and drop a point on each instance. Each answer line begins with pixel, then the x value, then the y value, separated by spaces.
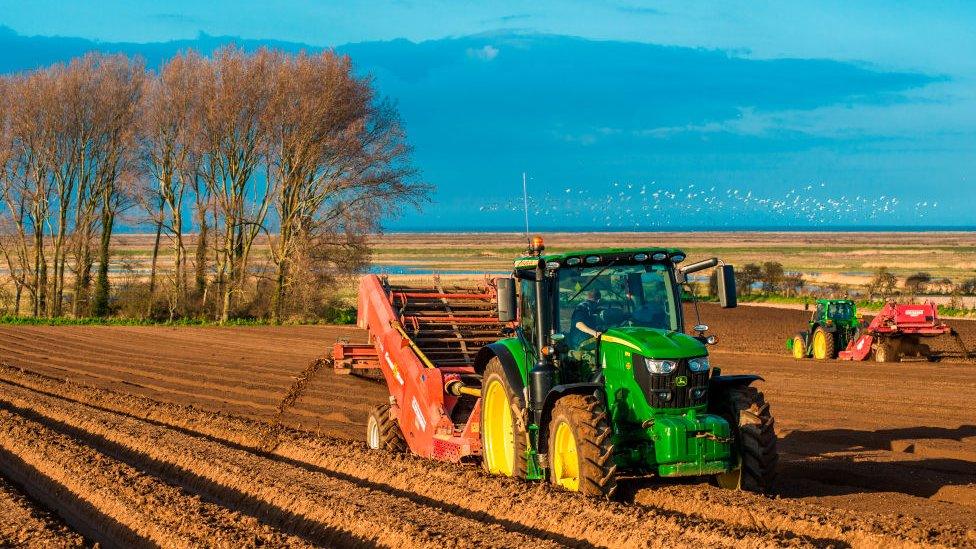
pixel 598 378
pixel 833 324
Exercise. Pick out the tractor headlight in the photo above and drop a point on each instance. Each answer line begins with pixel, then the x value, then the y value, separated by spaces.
pixel 660 366
pixel 698 364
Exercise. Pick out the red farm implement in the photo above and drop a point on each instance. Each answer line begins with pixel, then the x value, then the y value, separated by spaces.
pixel 897 331
pixel 424 340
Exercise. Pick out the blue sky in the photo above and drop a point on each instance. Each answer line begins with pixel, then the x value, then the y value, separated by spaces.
pixel 626 115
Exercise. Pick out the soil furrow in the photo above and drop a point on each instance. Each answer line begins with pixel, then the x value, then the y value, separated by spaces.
pixel 27 524
pixel 327 508
pixel 112 502
pixel 484 496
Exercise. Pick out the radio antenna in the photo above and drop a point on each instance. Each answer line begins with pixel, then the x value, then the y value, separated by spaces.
pixel 525 204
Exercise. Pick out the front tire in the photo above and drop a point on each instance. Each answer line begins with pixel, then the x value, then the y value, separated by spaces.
pixel 753 439
pixel 503 439
pixel 823 345
pixel 580 449
pixel 383 432
pixel 799 347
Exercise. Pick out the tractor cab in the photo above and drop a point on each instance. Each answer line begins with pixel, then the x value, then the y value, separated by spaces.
pixel 840 311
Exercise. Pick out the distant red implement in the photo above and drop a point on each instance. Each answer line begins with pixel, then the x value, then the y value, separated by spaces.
pixel 897 331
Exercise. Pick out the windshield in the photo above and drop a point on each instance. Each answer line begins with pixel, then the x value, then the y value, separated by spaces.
pixel 604 297
pixel 840 311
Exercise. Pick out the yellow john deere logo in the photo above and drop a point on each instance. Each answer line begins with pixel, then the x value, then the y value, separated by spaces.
pixel 680 381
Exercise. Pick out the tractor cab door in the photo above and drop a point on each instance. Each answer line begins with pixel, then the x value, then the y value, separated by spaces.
pixel 527 315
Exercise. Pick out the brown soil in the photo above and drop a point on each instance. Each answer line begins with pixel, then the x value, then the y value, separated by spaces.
pixel 156 422
pixel 26 524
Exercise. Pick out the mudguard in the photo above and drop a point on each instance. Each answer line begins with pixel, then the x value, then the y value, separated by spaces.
pixel 509 364
pixel 804 335
pixel 557 392
pixel 720 383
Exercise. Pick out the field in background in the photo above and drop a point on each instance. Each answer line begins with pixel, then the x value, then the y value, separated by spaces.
pixel 846 258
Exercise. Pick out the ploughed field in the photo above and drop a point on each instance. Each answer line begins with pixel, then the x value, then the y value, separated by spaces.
pixel 131 436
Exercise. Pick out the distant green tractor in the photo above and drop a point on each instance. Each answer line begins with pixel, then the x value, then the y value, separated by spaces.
pixel 832 326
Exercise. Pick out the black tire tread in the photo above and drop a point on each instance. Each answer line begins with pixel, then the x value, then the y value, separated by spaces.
pixel 754 430
pixel 590 422
pixel 391 437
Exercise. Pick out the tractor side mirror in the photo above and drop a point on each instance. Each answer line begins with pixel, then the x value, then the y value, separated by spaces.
pixel 507 301
pixel 726 286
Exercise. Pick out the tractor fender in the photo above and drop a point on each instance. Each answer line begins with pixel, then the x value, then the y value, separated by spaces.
pixel 557 392
pixel 512 373
pixel 722 383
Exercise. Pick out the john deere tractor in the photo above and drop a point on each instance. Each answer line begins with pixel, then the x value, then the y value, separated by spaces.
pixel 599 379
pixel 833 324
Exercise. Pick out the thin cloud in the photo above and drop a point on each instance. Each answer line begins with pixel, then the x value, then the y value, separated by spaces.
pixel 639 10
pixel 174 18
pixel 505 19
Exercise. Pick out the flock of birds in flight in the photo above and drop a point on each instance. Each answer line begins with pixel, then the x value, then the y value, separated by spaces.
pixel 653 205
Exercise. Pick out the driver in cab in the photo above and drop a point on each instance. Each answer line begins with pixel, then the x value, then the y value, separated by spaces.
pixel 586 319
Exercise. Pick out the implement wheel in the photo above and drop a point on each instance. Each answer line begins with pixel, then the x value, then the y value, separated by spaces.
pixel 753 439
pixel 885 352
pixel 823 345
pixel 503 442
pixel 383 432
pixel 580 452
pixel 799 347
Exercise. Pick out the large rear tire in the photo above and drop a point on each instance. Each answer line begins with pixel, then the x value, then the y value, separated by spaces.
pixel 823 344
pixel 503 437
pixel 580 449
pixel 753 440
pixel 383 432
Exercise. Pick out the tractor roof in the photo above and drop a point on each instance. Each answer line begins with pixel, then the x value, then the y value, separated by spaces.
pixel 603 255
pixel 829 301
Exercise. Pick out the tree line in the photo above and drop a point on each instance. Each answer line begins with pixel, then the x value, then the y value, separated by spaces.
pixel 294 153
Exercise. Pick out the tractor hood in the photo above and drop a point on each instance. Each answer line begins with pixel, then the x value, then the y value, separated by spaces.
pixel 655 343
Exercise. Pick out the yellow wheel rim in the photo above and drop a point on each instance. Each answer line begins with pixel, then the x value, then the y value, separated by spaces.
pixel 565 460
pixel 798 350
pixel 819 346
pixel 498 435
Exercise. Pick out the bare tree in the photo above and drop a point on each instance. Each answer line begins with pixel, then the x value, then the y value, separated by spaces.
pixel 337 159
pixel 27 182
pixel 13 235
pixel 234 95
pixel 170 104
pixel 120 84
